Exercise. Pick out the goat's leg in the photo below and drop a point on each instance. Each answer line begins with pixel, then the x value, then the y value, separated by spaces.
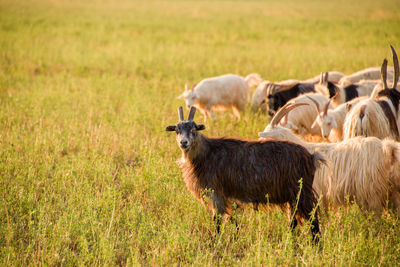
pixel 219 206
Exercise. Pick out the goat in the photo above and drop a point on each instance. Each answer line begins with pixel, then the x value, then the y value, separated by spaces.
pixel 246 172
pixel 301 122
pixel 260 94
pixel 277 98
pixel 340 94
pixel 367 170
pixel 377 116
pixel 365 74
pixel 225 91
pixel 330 122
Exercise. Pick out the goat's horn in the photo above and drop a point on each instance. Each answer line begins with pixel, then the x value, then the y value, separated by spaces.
pixel 321 78
pixel 191 113
pixel 396 68
pixel 186 87
pixel 283 111
pixel 326 107
pixel 180 112
pixel 315 102
pixel 383 73
pixel 326 77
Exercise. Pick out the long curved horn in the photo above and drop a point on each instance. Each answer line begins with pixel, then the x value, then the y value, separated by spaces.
pixel 191 113
pixel 396 68
pixel 383 73
pixel 283 111
pixel 315 102
pixel 326 107
pixel 180 112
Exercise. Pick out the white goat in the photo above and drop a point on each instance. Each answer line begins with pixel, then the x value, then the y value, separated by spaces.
pixel 226 91
pixel 367 170
pixel 301 121
pixel 330 121
pixel 365 74
pixel 377 116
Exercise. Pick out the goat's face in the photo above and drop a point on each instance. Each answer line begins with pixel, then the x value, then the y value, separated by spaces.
pixel 186 130
pixel 190 97
pixel 326 122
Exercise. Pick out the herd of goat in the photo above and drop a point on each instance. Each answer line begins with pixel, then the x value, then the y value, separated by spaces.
pixel 358 114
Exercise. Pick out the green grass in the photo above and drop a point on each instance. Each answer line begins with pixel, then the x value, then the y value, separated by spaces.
pixel 89 177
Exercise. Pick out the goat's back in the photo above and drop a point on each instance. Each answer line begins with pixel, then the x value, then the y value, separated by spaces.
pixel 248 171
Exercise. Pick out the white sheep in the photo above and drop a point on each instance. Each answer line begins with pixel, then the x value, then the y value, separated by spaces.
pixel 302 121
pixel 363 170
pixel 330 121
pixel 225 91
pixel 365 74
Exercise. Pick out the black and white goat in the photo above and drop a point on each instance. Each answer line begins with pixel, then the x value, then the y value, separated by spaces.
pixel 341 94
pixel 278 97
pixel 247 172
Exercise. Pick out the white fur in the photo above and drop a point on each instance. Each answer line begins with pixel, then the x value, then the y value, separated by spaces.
pixel 333 76
pixel 331 124
pixel 226 91
pixel 301 121
pixel 367 170
pixel 373 123
pixel 373 73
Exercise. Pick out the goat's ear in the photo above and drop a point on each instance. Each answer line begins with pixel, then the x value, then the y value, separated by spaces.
pixel 171 128
pixel 200 127
pixel 180 96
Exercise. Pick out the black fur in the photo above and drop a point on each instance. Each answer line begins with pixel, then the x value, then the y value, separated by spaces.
pixel 332 88
pixel 279 99
pixel 350 92
pixel 249 172
pixel 390 116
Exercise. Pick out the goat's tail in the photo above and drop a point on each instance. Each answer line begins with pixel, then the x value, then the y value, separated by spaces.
pixel 318 160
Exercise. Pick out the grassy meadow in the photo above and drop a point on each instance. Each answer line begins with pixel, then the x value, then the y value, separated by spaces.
pixel 88 176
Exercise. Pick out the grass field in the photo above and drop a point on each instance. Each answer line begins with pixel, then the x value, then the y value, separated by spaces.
pixel 89 177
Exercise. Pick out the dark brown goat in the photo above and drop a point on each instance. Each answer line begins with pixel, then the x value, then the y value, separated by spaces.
pixel 247 172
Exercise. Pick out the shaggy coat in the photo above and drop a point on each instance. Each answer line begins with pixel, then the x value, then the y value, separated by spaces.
pixel 222 92
pixel 378 116
pixel 367 170
pixel 247 172
pixel 368 118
